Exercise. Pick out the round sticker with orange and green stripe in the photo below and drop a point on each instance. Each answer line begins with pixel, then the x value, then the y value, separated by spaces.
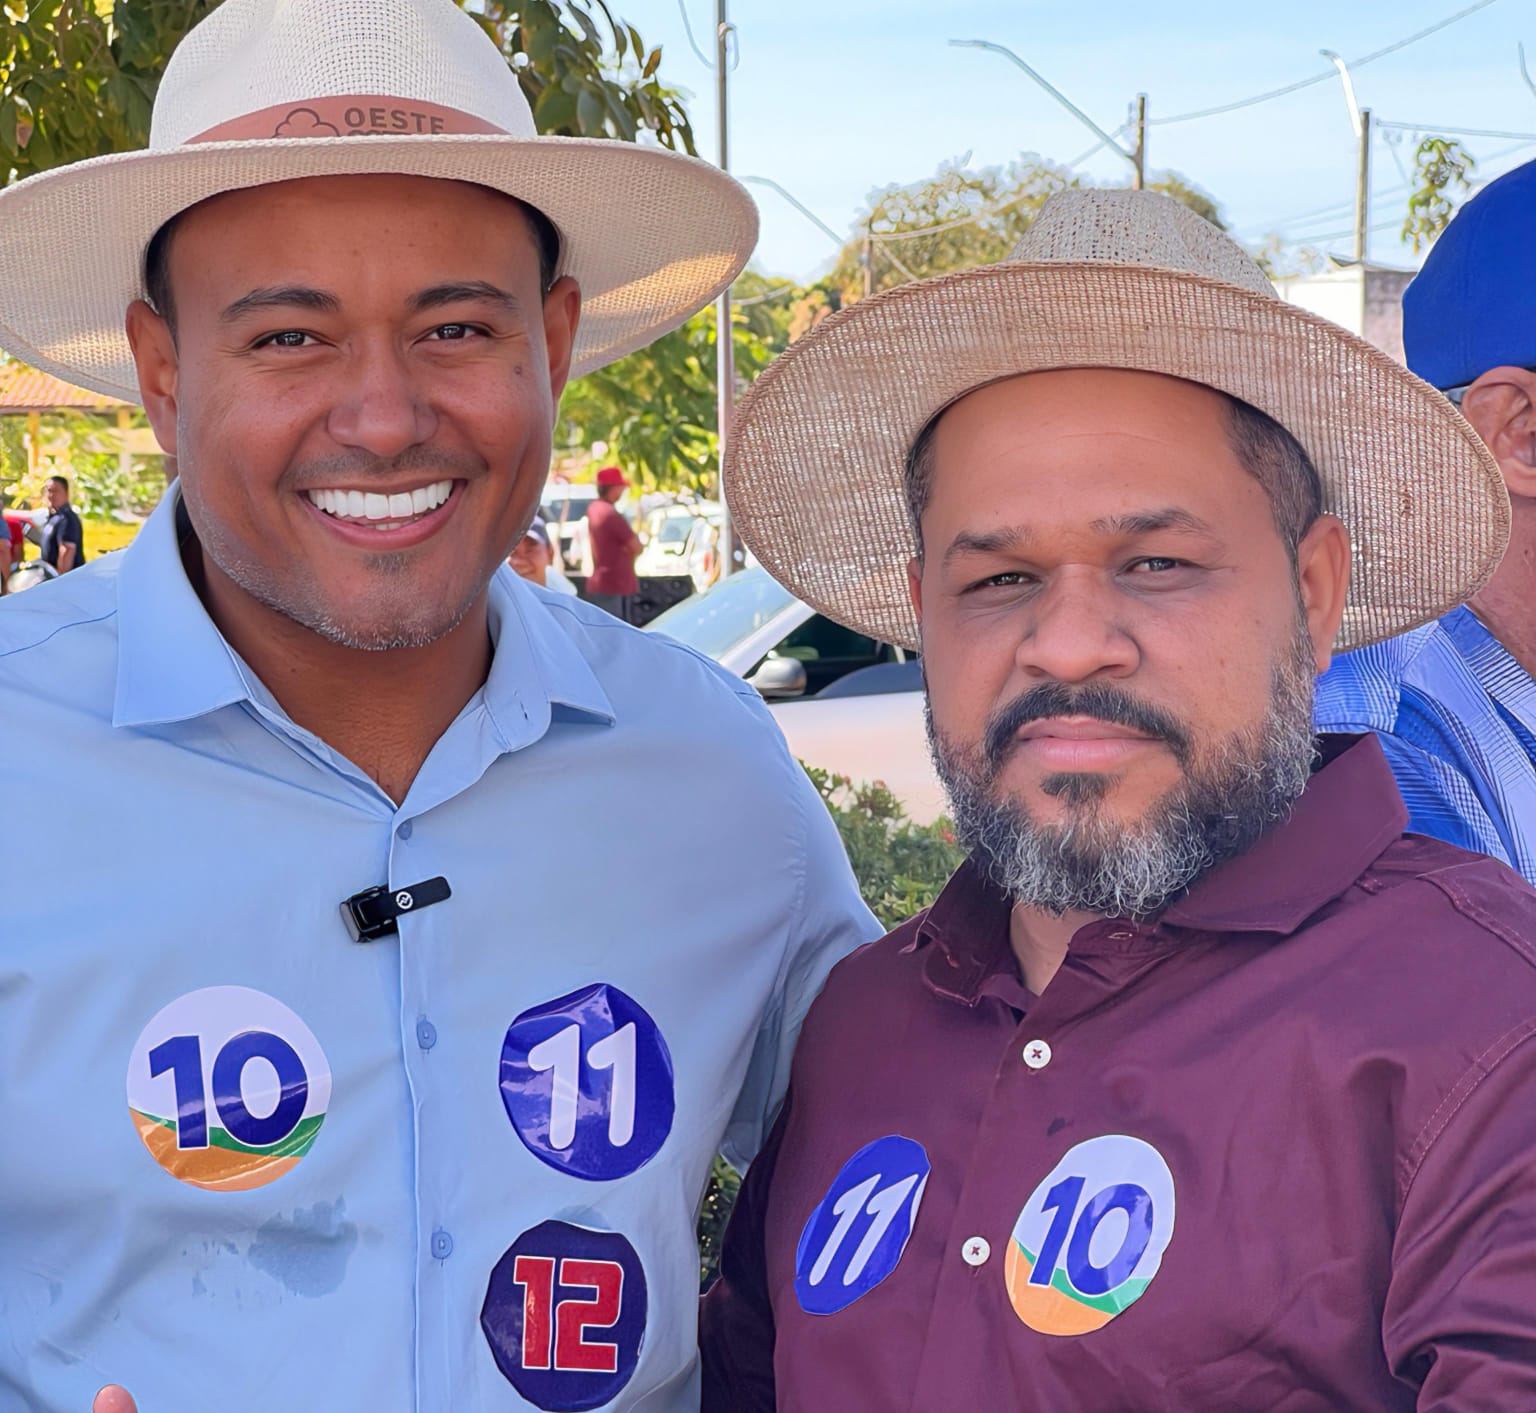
pixel 1091 1237
pixel 228 1088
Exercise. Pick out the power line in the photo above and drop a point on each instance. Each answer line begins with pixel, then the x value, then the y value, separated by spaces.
pixel 1324 77
pixel 1456 132
pixel 682 9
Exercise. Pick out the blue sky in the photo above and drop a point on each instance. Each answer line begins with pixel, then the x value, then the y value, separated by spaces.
pixel 834 98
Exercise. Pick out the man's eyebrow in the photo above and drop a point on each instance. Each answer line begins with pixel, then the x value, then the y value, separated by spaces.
pixel 1146 522
pixel 460 292
pixel 1012 537
pixel 281 297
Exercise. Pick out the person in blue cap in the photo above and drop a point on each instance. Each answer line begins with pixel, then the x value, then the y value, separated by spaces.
pixel 1454 701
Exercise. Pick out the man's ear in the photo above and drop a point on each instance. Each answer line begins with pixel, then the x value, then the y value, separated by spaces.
pixel 1501 406
pixel 1322 581
pixel 154 355
pixel 562 315
pixel 915 586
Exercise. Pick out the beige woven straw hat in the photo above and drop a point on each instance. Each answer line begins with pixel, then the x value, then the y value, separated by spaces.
pixel 1104 279
pixel 268 90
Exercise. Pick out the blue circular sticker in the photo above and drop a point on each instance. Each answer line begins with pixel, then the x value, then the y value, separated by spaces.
pixel 564 1315
pixel 858 1231
pixel 587 1083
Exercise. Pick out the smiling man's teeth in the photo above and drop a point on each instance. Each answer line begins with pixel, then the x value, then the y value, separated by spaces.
pixel 382 512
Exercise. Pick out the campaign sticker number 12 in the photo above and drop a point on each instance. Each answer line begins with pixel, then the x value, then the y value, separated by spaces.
pixel 228 1088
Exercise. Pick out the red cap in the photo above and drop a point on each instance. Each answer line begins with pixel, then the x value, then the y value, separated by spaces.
pixel 611 476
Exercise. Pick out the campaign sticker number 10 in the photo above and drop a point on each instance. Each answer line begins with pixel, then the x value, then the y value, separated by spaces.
pixel 1091 1237
pixel 228 1088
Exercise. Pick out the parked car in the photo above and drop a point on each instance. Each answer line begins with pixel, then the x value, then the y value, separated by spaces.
pixel 564 508
pixel 845 702
pixel 681 550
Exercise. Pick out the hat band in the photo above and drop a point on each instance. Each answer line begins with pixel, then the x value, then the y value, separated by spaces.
pixel 343 115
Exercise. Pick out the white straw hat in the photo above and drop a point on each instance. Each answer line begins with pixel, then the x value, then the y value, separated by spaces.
pixel 269 90
pixel 1104 279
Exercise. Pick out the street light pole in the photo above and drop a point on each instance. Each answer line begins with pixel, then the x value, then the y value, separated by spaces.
pixel 725 360
pixel 1360 121
pixel 1137 157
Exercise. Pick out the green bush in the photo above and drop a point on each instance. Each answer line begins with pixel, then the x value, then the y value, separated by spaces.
pixel 901 866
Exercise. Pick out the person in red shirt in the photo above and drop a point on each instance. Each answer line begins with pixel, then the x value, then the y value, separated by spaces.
pixel 1203 1085
pixel 615 546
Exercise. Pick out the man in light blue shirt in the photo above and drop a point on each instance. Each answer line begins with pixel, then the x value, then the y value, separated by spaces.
pixel 1455 701
pixel 330 1097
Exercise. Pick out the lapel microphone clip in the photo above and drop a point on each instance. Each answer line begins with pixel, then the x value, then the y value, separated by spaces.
pixel 376 911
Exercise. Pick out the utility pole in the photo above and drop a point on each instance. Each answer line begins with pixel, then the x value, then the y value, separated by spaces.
pixel 725 359
pixel 1139 151
pixel 1363 189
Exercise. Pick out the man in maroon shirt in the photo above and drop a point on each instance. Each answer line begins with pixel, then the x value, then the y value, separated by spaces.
pixel 612 584
pixel 1202 1086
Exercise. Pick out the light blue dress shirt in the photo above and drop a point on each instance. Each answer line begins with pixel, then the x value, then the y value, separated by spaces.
pixel 1457 718
pixel 247 1163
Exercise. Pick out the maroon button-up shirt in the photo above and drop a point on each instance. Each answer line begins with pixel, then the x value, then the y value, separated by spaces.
pixel 1274 1151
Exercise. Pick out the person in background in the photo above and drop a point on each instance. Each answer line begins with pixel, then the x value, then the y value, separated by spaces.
pixel 614 546
pixel 533 558
pixel 1202 1086
pixel 62 541
pixel 1454 701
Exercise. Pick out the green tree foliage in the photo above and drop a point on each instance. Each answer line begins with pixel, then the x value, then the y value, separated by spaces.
pixel 955 220
pixel 656 409
pixel 77 77
pixel 1444 170
pixel 901 867
pixel 85 449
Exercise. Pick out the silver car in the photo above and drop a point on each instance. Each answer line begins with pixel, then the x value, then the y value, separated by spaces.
pixel 845 702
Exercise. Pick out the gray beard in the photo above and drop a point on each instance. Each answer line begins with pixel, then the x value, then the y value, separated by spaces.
pixel 1091 864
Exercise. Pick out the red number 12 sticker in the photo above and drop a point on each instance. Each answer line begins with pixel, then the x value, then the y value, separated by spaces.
pixel 565 1315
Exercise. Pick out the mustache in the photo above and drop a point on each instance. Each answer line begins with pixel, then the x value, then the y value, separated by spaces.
pixel 1098 700
pixel 358 468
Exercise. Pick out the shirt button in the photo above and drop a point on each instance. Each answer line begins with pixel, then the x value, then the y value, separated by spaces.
pixel 976 1251
pixel 426 1034
pixel 405 831
pixel 1037 1054
pixel 442 1245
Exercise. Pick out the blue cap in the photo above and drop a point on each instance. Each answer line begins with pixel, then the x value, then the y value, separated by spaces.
pixel 1473 305
pixel 539 531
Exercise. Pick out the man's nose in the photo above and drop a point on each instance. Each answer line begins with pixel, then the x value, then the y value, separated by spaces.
pixel 1073 630
pixel 382 409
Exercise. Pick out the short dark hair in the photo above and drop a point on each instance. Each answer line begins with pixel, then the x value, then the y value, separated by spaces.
pixel 62 482
pixel 157 257
pixel 1269 453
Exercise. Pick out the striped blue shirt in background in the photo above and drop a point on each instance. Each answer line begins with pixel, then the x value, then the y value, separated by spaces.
pixel 1457 718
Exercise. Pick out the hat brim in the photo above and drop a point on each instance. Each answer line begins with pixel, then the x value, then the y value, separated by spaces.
pixel 650 236
pixel 815 462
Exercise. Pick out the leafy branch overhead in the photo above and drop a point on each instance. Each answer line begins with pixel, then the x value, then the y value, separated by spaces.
pixel 78 77
pixel 1444 170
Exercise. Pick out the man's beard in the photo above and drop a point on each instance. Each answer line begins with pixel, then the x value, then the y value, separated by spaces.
pixel 1229 796
pixel 400 612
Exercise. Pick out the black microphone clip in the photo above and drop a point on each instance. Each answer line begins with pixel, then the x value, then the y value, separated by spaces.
pixel 376 911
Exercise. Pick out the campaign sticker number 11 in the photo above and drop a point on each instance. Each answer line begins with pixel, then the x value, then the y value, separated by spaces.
pixel 228 1088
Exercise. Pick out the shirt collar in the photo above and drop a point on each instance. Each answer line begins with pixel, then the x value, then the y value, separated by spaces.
pixel 1495 667
pixel 173 663
pixel 536 660
pixel 1345 819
